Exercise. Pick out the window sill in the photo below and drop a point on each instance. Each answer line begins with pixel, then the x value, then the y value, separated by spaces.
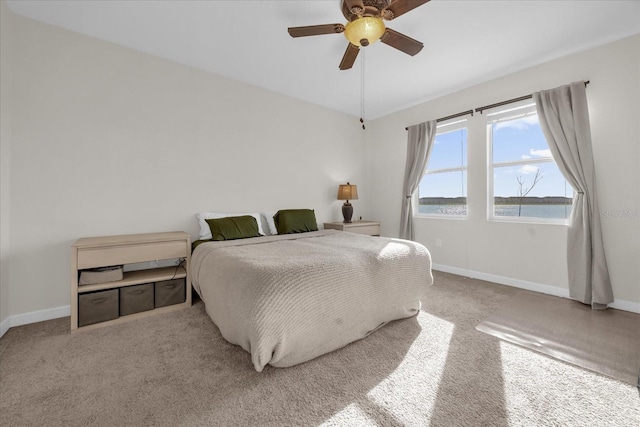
pixel 529 220
pixel 435 216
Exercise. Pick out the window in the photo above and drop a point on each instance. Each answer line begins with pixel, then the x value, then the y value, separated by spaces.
pixel 443 188
pixel 524 180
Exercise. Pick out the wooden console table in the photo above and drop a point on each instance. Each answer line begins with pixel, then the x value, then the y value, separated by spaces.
pixel 93 252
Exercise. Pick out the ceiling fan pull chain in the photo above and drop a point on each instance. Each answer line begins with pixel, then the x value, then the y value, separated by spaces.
pixel 362 89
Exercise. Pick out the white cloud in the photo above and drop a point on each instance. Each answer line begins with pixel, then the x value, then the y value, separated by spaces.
pixel 527 169
pixel 540 153
pixel 525 157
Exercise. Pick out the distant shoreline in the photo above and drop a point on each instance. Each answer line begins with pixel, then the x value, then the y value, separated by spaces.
pixel 551 200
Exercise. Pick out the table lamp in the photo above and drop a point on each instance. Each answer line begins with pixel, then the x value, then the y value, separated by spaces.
pixel 347 192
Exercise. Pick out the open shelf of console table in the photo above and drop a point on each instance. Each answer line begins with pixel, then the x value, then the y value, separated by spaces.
pixel 94 252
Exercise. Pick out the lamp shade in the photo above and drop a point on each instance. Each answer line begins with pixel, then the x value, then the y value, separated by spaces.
pixel 348 192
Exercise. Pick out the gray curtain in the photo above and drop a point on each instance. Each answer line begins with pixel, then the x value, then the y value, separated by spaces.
pixel 419 143
pixel 564 118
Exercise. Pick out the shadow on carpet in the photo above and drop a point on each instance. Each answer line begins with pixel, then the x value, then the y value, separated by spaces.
pixel 603 341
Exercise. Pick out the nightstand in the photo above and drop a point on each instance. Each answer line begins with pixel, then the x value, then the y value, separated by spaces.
pixel 372 228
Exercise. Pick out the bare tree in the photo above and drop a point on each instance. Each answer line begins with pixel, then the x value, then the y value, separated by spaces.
pixel 523 190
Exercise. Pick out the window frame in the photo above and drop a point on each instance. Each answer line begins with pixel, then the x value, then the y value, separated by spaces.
pixel 502 114
pixel 452 125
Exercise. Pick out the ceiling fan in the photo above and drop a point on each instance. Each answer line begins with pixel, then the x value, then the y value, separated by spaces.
pixel 365 26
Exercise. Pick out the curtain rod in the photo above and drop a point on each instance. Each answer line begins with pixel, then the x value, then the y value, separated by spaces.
pixel 453 116
pixel 486 107
pixel 510 101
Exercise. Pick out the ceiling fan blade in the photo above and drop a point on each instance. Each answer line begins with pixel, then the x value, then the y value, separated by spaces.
pixel 349 57
pixel 351 3
pixel 401 42
pixel 400 7
pixel 315 30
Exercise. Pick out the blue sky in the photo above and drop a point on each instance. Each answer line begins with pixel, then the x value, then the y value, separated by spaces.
pixel 513 140
pixel 449 151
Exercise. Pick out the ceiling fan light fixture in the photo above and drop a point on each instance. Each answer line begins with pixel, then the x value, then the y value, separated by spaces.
pixel 364 31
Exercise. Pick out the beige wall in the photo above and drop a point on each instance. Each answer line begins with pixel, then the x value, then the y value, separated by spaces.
pixel 5 144
pixel 107 140
pixel 530 254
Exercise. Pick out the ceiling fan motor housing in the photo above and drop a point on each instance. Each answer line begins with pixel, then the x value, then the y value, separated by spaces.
pixel 371 8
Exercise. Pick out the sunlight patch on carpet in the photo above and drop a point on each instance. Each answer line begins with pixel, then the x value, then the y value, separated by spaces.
pixel 351 415
pixel 418 376
pixel 529 377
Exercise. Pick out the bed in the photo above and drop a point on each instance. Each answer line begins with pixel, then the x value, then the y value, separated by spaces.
pixel 287 299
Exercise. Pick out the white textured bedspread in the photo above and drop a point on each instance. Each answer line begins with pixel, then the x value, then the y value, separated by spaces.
pixel 287 299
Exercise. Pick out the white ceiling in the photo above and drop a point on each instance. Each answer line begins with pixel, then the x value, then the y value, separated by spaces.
pixel 465 42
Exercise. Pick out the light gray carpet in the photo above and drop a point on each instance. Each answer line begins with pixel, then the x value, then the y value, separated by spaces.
pixel 605 341
pixel 175 369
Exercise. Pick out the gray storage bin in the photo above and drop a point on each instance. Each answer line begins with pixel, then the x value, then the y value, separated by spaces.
pixel 94 276
pixel 97 307
pixel 137 298
pixel 169 292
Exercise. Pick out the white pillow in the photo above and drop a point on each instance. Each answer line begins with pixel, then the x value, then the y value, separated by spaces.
pixel 205 231
pixel 270 222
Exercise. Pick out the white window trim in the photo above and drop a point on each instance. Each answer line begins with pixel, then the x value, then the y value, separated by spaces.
pixel 517 110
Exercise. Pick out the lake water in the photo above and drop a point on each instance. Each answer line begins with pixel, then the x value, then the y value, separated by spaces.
pixel 530 211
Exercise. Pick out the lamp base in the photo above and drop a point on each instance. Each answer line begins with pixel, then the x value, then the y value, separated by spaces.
pixel 347 212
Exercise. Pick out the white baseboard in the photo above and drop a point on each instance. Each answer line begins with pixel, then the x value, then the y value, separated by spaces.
pixel 621 304
pixel 631 306
pixel 33 317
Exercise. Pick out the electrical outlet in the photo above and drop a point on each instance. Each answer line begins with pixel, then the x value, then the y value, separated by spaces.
pixel 438 243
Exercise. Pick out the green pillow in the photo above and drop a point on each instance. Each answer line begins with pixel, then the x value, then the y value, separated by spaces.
pixel 295 221
pixel 233 227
